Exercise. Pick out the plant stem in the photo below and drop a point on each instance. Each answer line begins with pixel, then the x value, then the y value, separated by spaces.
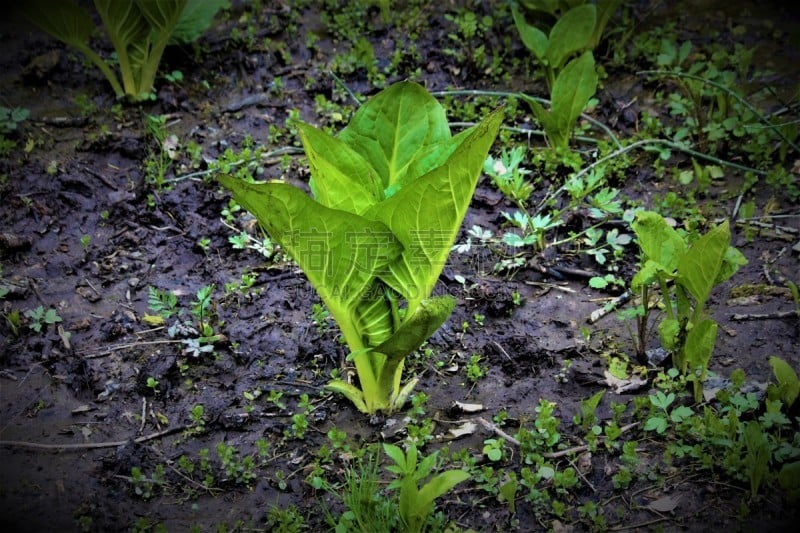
pixel 524 131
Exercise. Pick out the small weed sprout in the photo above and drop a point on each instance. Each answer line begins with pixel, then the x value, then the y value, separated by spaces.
pixel 39 318
pixel 475 371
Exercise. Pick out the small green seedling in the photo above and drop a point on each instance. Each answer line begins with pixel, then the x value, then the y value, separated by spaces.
pixel 787 387
pixel 685 275
pixel 40 318
pixel 415 502
pixel 9 118
pixel 572 81
pixel 390 192
pixel 577 28
pixel 152 384
pixel 508 175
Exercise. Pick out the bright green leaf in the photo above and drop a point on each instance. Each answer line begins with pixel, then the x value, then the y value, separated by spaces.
pixel 340 177
pixel 605 9
pixel 699 267
pixel 532 37
pixel 195 19
pixel 441 483
pixel 657 240
pixel 788 382
pixel 428 233
pixel 395 128
pixel 338 251
pixel 571 33
pixel 574 86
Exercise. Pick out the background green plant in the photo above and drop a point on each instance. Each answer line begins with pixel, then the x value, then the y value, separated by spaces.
pixel 685 275
pixel 138 30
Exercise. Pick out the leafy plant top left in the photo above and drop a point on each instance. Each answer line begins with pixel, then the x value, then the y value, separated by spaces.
pixel 140 30
pixel 390 193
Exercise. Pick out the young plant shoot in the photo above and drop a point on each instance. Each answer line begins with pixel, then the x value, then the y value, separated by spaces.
pixel 694 270
pixel 390 193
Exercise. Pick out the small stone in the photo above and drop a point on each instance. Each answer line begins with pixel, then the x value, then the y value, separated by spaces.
pixel 87 294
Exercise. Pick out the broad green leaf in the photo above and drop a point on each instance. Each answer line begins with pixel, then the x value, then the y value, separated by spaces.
pixel 350 392
pixel 574 86
pixel 788 382
pixel 657 240
pixel 435 156
pixel 396 454
pixel 733 260
pixel 65 20
pixel 605 9
pixel 163 15
pixel 339 252
pixel 395 127
pixel 196 18
pixel 425 467
pixel 570 34
pixel 669 331
pixel 341 178
pixel 532 37
pixel 426 214
pixel 699 267
pixel 411 458
pixel 441 483
pixel 700 340
pixel 648 273
pixel 416 329
pixel 656 423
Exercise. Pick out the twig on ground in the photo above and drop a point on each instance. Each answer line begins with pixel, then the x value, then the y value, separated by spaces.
pixel 89 445
pixel 547 455
pixel 609 307
pixel 764 316
pixel 118 347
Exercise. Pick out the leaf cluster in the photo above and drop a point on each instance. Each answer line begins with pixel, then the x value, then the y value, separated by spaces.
pixel 572 82
pixel 139 30
pixel 390 192
pixel 685 275
pixel 415 502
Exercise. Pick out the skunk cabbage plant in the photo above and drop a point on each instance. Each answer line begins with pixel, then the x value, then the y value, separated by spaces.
pixel 140 30
pixel 389 195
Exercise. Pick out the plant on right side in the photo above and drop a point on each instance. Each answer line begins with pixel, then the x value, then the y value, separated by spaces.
pixel 685 274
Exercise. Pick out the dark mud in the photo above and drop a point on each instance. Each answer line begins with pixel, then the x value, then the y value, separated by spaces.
pixel 78 394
